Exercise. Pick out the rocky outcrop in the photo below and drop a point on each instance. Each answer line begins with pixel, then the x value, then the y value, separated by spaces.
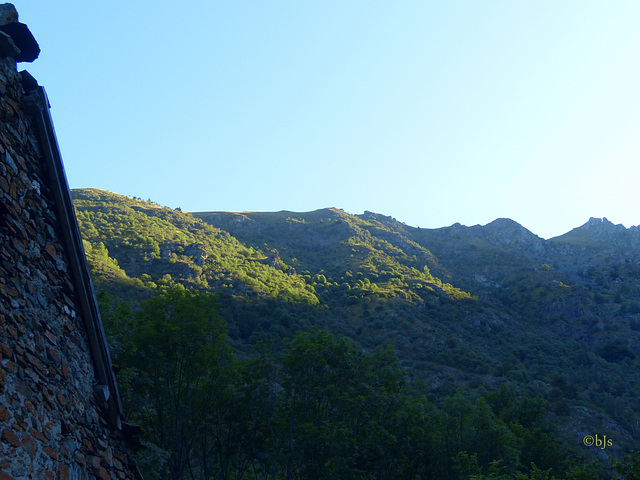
pixel 197 252
pixel 602 233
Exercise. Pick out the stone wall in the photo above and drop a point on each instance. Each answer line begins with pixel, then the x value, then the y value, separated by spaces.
pixel 54 422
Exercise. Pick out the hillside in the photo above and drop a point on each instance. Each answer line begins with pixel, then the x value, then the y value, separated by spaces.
pixel 156 245
pixel 345 250
pixel 574 285
pixel 468 308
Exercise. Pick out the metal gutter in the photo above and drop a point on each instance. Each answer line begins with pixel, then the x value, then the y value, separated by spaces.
pixel 36 104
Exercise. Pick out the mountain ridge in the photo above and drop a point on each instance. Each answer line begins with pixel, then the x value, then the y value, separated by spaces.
pixel 464 307
pixel 591 226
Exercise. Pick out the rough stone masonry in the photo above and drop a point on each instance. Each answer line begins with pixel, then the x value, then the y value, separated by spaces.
pixel 59 406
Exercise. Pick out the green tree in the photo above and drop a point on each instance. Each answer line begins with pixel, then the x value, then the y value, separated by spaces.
pixel 179 357
pixel 629 467
pixel 334 416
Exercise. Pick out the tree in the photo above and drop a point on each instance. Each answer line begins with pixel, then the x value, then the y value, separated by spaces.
pixel 179 356
pixel 629 468
pixel 341 411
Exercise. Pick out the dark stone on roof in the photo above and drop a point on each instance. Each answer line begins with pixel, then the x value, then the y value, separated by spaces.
pixel 27 81
pixel 24 40
pixel 8 13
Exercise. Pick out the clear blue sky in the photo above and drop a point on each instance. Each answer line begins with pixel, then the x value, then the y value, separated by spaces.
pixel 433 112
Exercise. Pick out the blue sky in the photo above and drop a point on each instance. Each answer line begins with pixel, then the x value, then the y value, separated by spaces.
pixel 433 112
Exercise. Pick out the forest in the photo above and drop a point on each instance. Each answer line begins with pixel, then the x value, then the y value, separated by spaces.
pixel 328 345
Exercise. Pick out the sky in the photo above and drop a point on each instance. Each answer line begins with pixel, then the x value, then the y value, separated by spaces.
pixel 432 112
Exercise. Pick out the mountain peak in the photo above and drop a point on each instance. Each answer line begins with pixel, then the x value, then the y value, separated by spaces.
pixel 507 232
pixel 596 231
pixel 602 224
pixel 505 223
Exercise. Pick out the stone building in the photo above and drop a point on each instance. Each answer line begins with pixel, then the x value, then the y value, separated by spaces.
pixel 60 412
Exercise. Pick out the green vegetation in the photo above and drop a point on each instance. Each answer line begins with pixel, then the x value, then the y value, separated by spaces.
pixel 478 352
pixel 366 255
pixel 162 247
pixel 317 408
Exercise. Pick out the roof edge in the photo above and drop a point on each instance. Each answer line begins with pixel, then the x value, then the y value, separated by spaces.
pixel 37 106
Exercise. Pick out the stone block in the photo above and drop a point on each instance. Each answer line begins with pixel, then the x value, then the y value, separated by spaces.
pixel 37 364
pixel 62 400
pixel 103 474
pixel 51 250
pixel 29 445
pixel 9 365
pixel 65 370
pixel 4 414
pixel 94 461
pixel 9 437
pixel 107 457
pixel 63 471
pixel 51 337
pixel 5 351
pixel 52 453
pixel 38 435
